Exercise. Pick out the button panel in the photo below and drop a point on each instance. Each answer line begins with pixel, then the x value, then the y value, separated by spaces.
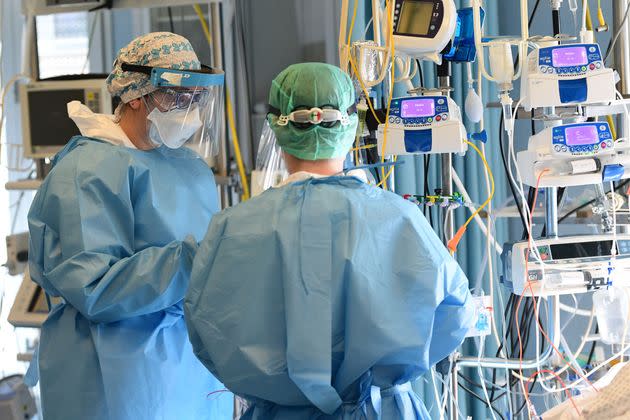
pixel 440 114
pixel 594 57
pixel 579 143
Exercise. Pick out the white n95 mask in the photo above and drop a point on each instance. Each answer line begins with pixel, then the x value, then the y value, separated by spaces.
pixel 173 128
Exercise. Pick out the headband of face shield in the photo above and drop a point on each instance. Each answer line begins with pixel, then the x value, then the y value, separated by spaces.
pixel 311 111
pixel 186 109
pixel 326 116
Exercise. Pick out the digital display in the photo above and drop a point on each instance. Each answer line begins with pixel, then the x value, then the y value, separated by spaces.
pixel 415 17
pixel 568 57
pixel 50 124
pixel 413 108
pixel 581 250
pixel 580 135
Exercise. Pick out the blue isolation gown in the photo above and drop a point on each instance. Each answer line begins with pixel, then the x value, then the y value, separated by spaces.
pixel 325 299
pixel 113 233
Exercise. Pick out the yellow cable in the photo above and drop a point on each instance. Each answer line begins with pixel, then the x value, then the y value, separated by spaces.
pixel 354 66
pixel 613 129
pixel 237 148
pixel 452 244
pixel 388 174
pixel 600 16
pixel 589 21
pixel 589 26
pixel 230 112
pixel 369 146
pixel 390 17
pixel 359 129
pixel 354 16
pixel 204 24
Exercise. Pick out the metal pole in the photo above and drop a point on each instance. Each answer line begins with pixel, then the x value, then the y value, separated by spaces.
pixel 551 212
pixel 222 159
pixel 444 82
pixel 553 310
pixel 447 174
pixel 620 53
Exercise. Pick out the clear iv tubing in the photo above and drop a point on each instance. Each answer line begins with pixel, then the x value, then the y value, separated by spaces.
pixel 573 7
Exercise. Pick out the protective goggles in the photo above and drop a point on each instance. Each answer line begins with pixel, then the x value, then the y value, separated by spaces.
pixel 327 116
pixel 164 77
pixel 169 99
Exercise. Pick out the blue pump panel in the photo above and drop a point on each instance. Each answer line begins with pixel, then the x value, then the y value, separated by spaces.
pixel 418 141
pixel 612 173
pixel 575 90
pixel 463 45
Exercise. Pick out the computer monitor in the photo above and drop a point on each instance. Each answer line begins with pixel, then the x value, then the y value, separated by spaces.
pixel 30 308
pixel 46 127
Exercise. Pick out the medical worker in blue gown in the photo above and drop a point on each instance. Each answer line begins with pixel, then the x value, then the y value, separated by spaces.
pixel 114 229
pixel 324 298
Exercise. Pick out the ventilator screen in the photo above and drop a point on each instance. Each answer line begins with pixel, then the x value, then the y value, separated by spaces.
pixel 415 17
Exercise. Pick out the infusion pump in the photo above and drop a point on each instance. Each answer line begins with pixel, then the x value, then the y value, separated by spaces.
pixel 566 265
pixel 422 124
pixel 581 139
pixel 566 74
pixel 574 154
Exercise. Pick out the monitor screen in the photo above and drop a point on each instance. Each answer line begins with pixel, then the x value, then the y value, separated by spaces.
pixel 415 17
pixel 581 250
pixel 48 116
pixel 568 57
pixel 580 135
pixel 413 108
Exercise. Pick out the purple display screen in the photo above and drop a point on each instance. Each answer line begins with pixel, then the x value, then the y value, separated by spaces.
pixel 580 135
pixel 412 108
pixel 567 57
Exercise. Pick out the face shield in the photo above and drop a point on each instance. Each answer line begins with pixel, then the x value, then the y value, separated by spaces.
pixel 270 168
pixel 186 109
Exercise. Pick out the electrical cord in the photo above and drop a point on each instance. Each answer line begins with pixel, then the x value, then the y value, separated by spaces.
pixel 170 19
pixel 611 46
pixel 505 167
pixel 476 396
pixel 592 352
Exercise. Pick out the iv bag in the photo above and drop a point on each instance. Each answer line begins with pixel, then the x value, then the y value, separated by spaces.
pixel 611 308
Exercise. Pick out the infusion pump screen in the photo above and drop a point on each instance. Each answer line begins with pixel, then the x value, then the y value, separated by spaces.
pixel 415 17
pixel 414 108
pixel 581 135
pixel 569 57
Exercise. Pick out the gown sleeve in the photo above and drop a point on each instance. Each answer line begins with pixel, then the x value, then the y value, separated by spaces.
pixel 81 247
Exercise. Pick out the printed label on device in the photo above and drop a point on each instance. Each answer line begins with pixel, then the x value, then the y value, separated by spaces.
pixel 583 166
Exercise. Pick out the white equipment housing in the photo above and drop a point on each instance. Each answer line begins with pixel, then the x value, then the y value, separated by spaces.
pixel 17 253
pixel 421 125
pixel 573 155
pixel 566 74
pixel 46 127
pixel 30 308
pixel 16 401
pixel 422 28
pixel 572 264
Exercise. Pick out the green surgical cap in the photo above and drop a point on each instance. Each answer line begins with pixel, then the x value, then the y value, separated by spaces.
pixel 309 85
